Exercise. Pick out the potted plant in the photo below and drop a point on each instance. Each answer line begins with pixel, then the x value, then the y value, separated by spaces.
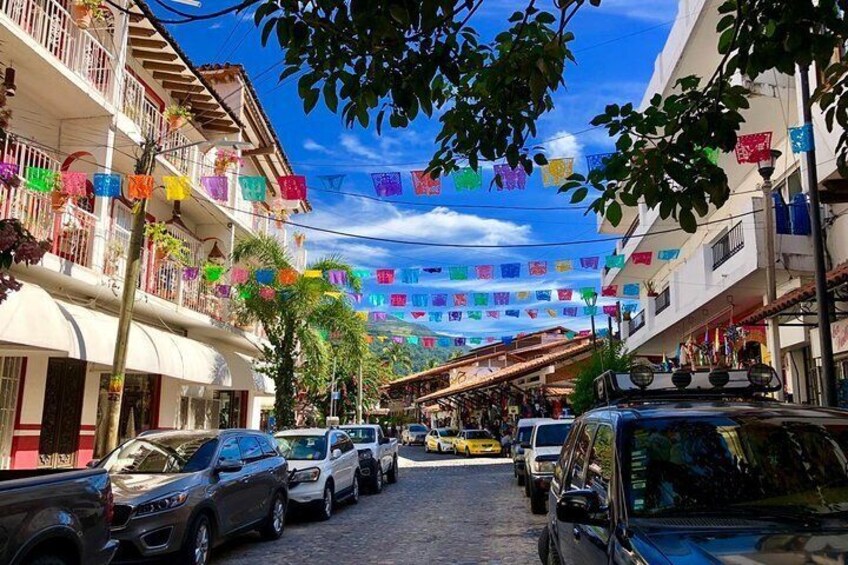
pixel 224 159
pixel 83 11
pixel 165 245
pixel 177 115
pixel 651 288
pixel 58 198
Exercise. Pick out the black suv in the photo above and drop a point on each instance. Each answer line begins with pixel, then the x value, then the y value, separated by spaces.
pixel 699 468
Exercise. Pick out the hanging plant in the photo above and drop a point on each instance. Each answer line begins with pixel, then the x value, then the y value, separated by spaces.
pixel 58 198
pixel 166 245
pixel 651 288
pixel 177 115
pixel 17 245
pixel 224 159
pixel 84 11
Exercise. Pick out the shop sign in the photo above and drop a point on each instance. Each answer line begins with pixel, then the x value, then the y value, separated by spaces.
pixel 513 410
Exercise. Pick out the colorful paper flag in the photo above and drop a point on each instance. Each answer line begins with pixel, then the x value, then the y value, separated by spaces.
pixel 264 276
pixel 533 313
pixel 39 179
pixel 417 314
pixel 501 298
pixel 409 276
pixel 510 270
pixel 598 162
pixel 611 310
pixel 267 293
pixel 481 299
pixel 292 187
pixel 588 262
pixel 222 290
pixel 614 261
pixel 512 313
pixel 642 258
pixel 468 179
pixel 564 294
pixel 590 310
pixel 191 273
pixel 425 185
pixel 551 312
pixel 108 185
pixel 563 266
pixel 543 295
pixel 557 171
pixel 485 272
pixel 753 147
pixel 570 311
pixel 253 189
pixel 475 315
pixel 239 275
pixel 379 316
pixel 140 187
pixel 362 274
pixel 387 184
pixel 440 300
pixel 73 183
pixel 288 276
pixel 522 295
pixel 435 317
pixel 511 179
pixel 385 276
pixel 176 188
pixel 537 268
pixel 630 289
pixel 609 290
pixel 332 182
pixel 212 273
pixel 454 316
pixel 801 138
pixel 493 314
pixel 216 187
pixel 420 300
pixel 8 171
pixel 313 274
pixel 337 277
pixel 460 299
pixel 398 300
pixel 458 273
pixel 668 254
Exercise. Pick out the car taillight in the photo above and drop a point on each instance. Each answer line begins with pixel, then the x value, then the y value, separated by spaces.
pixel 110 504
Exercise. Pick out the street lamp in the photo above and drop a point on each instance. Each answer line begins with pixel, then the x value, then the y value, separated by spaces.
pixel 591 300
pixel 766 169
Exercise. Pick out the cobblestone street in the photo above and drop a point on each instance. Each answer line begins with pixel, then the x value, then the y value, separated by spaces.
pixel 443 509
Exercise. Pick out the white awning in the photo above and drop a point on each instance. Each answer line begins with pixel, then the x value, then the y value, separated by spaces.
pixel 31 317
pixel 245 375
pixel 150 350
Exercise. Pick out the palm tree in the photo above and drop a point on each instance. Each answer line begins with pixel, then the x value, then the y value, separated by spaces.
pixel 397 357
pixel 297 322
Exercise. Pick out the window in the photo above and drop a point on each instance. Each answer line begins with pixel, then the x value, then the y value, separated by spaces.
pixel 137 406
pixel 599 471
pixel 267 446
pixel 552 435
pixel 345 443
pixel 250 448
pixel 578 462
pixel 230 450
pixel 564 454
pixel 231 414
pixel 10 382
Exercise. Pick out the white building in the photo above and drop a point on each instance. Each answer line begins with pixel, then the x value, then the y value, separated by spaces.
pixel 84 101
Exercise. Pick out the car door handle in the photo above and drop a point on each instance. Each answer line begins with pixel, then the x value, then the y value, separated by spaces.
pixel 576 532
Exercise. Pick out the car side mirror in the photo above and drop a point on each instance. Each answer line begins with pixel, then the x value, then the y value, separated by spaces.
pixel 228 466
pixel 93 463
pixel 336 453
pixel 384 440
pixel 582 507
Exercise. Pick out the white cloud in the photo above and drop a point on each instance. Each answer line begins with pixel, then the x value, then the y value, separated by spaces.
pixel 311 145
pixel 355 147
pixel 563 144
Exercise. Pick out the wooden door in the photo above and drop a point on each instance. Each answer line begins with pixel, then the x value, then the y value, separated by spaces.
pixel 60 421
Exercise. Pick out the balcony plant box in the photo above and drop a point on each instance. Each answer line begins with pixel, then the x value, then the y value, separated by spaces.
pixel 177 116
pixel 652 290
pixel 84 11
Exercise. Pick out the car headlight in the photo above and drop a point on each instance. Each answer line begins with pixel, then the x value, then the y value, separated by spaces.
pixel 543 466
pixel 306 475
pixel 365 454
pixel 162 504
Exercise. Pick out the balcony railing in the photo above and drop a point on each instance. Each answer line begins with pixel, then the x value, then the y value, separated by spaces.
pixel 663 300
pixel 53 28
pixel 729 245
pixel 637 322
pixel 630 231
pixel 69 228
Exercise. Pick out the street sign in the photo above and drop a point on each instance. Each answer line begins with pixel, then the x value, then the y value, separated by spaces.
pixel 337 395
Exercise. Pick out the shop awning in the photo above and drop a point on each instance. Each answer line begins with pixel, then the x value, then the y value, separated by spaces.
pixel 518 370
pixel 835 278
pixel 30 317
pixel 245 375
pixel 150 350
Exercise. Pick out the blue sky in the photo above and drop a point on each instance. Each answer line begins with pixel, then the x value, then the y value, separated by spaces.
pixel 615 47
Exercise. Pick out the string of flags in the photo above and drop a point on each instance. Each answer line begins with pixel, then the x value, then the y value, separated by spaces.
pixel 756 147
pixel 438 317
pixel 433 341
pixel 461 299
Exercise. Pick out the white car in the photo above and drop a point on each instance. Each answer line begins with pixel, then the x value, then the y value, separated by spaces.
pixel 324 468
pixel 440 440
pixel 540 457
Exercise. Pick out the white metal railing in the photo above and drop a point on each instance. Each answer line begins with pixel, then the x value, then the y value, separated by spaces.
pixel 52 27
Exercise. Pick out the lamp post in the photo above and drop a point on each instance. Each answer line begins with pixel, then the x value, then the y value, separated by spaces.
pixel 766 170
pixel 591 300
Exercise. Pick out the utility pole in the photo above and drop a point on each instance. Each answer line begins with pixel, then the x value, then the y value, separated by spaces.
pixel 828 374
pixel 144 166
pixel 333 390
pixel 766 169
pixel 359 398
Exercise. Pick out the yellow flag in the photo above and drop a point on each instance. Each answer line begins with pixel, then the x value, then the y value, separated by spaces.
pixel 313 274
pixel 563 266
pixel 335 295
pixel 176 188
pixel 557 171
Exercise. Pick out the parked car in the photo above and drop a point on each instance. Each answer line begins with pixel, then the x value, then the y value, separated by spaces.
pixel 699 469
pixel 378 454
pixel 540 455
pixel 413 434
pixel 55 517
pixel 476 442
pixel 325 468
pixel 440 440
pixel 522 435
pixel 180 493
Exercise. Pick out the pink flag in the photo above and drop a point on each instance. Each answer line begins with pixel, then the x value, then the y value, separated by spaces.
pixel 564 293
pixel 292 187
pixel 533 313
pixel 398 300
pixel 417 314
pixel 485 272
pixel 239 275
pixel 611 290
pixel 538 268
pixel 494 314
pixel 426 185
pixel 385 276
pixel 753 148
pixel 460 299
pixel 642 258
pixel 611 310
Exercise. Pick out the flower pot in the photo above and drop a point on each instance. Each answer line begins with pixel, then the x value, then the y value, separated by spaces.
pixel 175 122
pixel 58 201
pixel 82 15
pixel 653 294
pixel 159 255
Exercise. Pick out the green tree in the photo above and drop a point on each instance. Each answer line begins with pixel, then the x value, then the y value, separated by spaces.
pixel 397 358
pixel 297 323
pixel 607 357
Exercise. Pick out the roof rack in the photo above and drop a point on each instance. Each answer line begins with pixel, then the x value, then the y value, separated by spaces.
pixel 643 383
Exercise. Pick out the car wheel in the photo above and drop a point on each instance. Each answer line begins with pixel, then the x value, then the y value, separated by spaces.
pixel 393 472
pixel 439 447
pixel 325 511
pixel 354 495
pixel 377 481
pixel 467 452
pixel 198 543
pixel 537 501
pixel 520 478
pixel 427 448
pixel 526 484
pixel 276 522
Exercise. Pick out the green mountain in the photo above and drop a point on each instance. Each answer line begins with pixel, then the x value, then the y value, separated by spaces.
pixel 421 357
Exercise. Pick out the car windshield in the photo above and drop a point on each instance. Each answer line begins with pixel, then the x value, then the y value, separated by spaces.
pixel 303 448
pixel 447 433
pixel 417 428
pixel 361 435
pixel 524 434
pixel 182 453
pixel 478 434
pixel 760 464
pixel 552 435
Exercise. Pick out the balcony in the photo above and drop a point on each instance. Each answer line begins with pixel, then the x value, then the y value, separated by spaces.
pixel 51 26
pixel 70 228
pixel 662 300
pixel 727 246
pixel 636 323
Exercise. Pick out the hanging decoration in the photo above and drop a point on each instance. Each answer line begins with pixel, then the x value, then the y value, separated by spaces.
pixel 468 179
pixel 332 182
pixel 40 180
pixel 611 310
pixel 589 262
pixel 435 317
pixel 267 293
pixel 292 187
pixel 609 290
pixel 460 299
pixel 481 299
pixel 73 183
pixel 753 147
pixel 563 266
pixel 668 254
pixel 712 154
pixel 426 185
pixel 570 311
pixel 253 189
pixel 377 300
pixel 454 316
pixel 337 277
pixel 564 294
pixel 191 273
pixel 140 187
pixel 107 185
pixel 533 313
pixel 398 300
pixel 176 188
pixel 440 300
pixel 385 276
pixel 543 295
pixel 420 300
pixel 512 313
pixel 485 272
pixel 510 179
pixel 537 268
pixel 313 274
pixel 630 289
pixel 8 171
pixel 212 272
pixel 522 296
pixel 510 270
pixel 614 261
pixel 459 273
pixel 590 310
pixel 387 184
pixel 239 275
pixel 801 138
pixel 475 315
pixel 501 298
pixel 493 314
pixel 642 258
pixel 557 171
pixel 409 276
pixel 587 292
pixel 362 274
pixel 264 276
pixel 598 162
pixel 418 314
pixel 222 290
pixel 216 187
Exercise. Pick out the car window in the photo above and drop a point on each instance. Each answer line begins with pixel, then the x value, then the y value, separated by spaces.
pixel 578 461
pixel 551 435
pixel 564 454
pixel 599 471
pixel 230 450
pixel 346 444
pixel 250 448
pixel 267 446
pixel 335 437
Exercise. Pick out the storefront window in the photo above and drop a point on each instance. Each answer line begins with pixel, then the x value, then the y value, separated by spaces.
pixel 10 382
pixel 137 406
pixel 231 408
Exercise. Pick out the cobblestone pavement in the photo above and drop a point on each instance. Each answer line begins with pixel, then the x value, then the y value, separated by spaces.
pixel 443 509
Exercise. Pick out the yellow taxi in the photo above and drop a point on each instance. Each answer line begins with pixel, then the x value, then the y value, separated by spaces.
pixel 440 440
pixel 476 442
